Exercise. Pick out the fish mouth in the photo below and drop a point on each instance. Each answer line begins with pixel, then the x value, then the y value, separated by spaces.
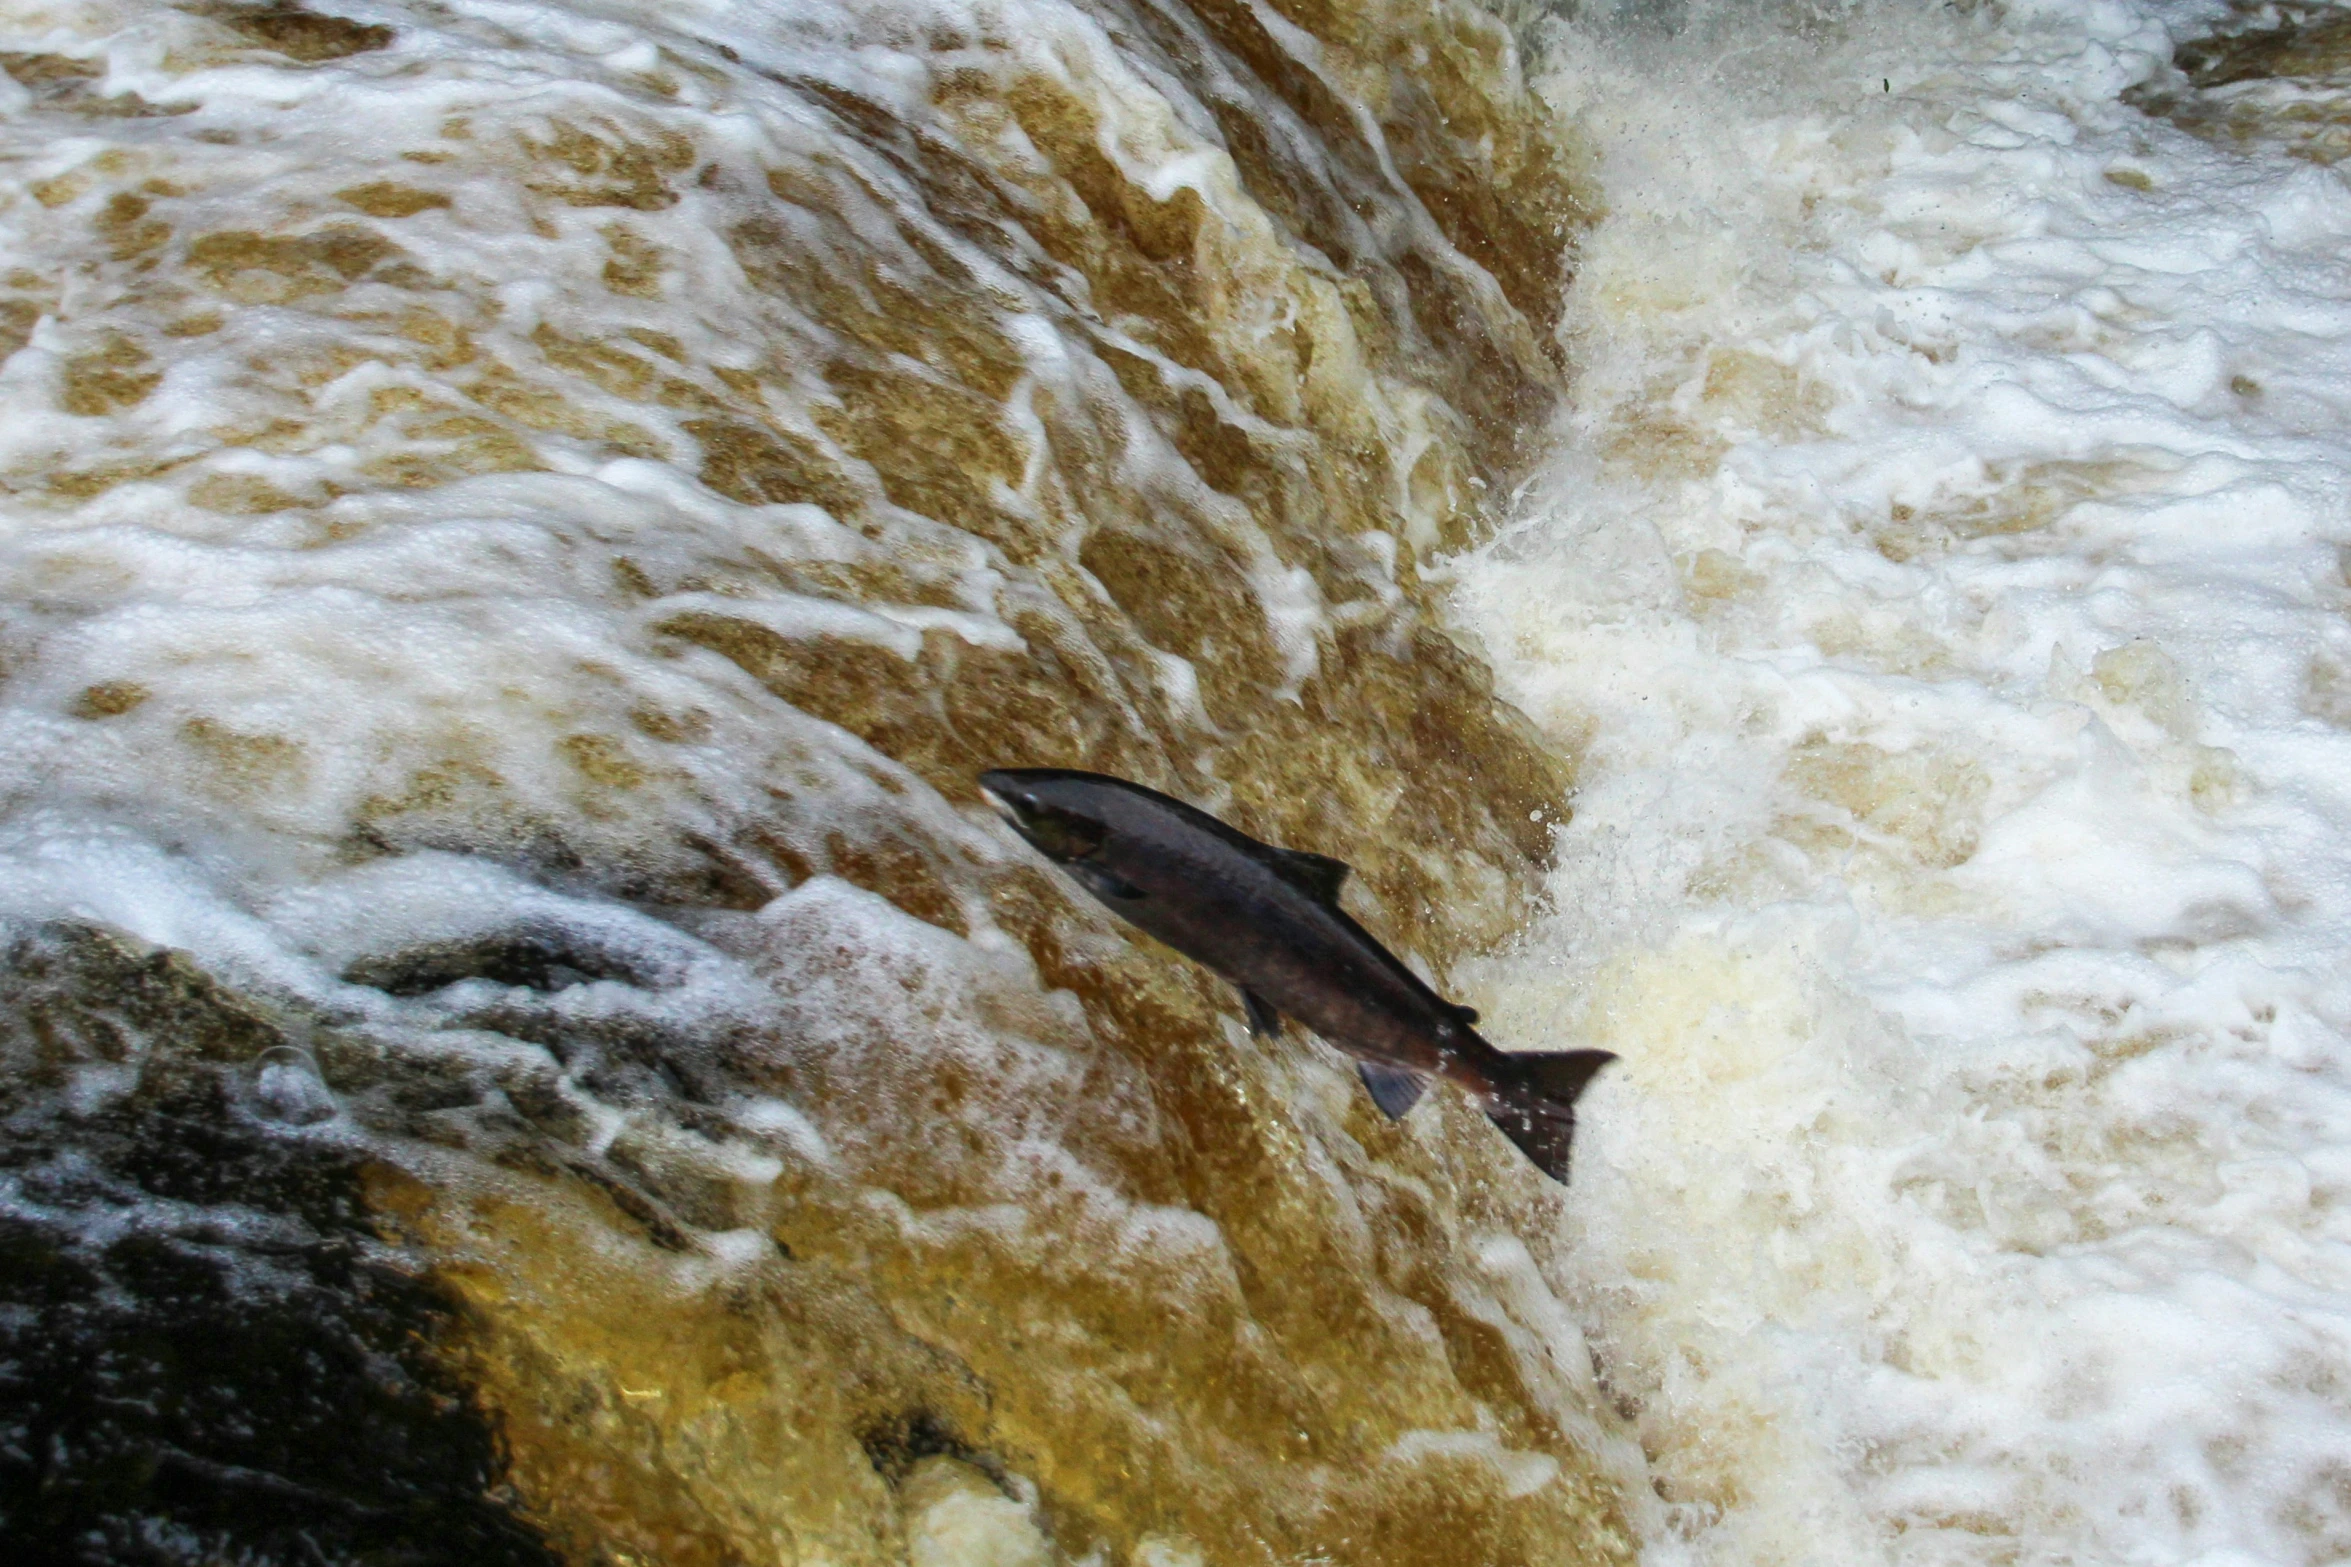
pixel 1058 833
pixel 999 795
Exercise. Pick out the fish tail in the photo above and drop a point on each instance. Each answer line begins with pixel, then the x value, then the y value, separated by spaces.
pixel 1534 1104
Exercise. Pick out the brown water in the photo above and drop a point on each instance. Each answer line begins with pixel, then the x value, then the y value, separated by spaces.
pixel 523 523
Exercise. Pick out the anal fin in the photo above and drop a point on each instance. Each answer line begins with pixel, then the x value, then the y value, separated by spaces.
pixel 1264 1021
pixel 1393 1089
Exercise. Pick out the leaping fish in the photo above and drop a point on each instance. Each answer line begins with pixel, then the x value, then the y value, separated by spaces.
pixel 1268 920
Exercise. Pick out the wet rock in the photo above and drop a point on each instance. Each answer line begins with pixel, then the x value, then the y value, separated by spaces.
pixel 207 1353
pixel 531 960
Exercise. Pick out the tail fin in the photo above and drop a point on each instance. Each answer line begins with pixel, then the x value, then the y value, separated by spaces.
pixel 1535 1106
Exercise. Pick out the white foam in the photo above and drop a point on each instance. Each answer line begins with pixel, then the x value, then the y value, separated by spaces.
pixel 1960 870
pixel 1968 905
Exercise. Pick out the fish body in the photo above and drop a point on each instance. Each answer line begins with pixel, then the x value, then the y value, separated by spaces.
pixel 1268 920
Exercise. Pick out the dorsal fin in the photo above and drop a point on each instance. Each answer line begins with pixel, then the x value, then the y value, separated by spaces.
pixel 1317 875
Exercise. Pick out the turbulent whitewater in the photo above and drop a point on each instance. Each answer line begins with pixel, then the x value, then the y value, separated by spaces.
pixel 1943 562
pixel 1802 545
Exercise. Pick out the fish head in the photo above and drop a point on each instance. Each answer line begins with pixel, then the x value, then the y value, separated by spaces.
pixel 1054 811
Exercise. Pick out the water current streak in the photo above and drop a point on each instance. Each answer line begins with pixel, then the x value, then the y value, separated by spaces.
pixel 519 525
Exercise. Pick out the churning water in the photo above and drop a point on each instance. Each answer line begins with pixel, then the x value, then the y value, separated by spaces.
pixel 1804 545
pixel 1942 565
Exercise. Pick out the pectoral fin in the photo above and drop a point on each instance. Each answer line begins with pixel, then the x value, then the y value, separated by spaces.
pixel 1105 884
pixel 1393 1089
pixel 1264 1021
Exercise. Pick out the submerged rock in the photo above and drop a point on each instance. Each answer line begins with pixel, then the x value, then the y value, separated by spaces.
pixel 207 1351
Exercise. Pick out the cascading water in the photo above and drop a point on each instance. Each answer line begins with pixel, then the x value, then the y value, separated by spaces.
pixel 1942 566
pixel 519 524
pixel 523 525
